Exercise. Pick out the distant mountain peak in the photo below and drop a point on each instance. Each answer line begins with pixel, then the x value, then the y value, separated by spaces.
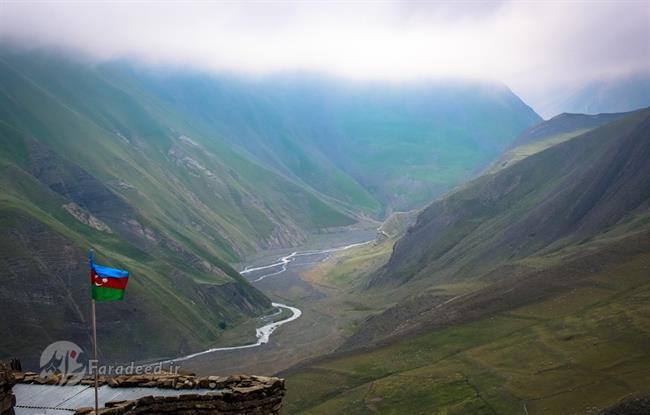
pixel 611 95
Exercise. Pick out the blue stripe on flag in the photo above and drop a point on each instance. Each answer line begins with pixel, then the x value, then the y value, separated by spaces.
pixel 110 272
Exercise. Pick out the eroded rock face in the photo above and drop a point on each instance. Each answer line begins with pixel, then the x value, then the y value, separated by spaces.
pixel 86 218
pixel 88 199
pixel 7 398
pixel 635 405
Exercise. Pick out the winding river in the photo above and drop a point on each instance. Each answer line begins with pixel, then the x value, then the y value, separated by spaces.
pixel 285 260
pixel 263 333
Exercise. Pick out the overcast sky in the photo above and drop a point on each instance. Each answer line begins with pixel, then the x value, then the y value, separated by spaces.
pixel 532 46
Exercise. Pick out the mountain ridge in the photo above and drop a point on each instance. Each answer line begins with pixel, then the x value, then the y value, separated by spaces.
pixel 622 93
pixel 589 146
pixel 527 225
pixel 525 286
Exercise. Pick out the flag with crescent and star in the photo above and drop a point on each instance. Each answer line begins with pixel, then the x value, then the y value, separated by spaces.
pixel 107 284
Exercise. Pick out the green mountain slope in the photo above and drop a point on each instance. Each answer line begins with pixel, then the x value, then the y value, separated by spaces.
pixel 575 352
pixel 52 212
pixel 91 162
pixel 524 290
pixel 549 133
pixel 565 123
pixel 127 134
pixel 558 197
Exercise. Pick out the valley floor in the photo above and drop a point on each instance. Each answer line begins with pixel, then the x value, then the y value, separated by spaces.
pixel 584 348
pixel 321 328
pixel 587 348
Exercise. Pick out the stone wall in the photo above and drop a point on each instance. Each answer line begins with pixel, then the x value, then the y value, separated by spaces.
pixel 258 399
pixel 217 395
pixel 7 398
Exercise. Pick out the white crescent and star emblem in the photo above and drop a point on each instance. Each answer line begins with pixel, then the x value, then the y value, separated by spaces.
pixel 100 281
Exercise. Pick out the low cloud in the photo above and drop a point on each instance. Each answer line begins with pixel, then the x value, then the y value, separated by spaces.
pixel 531 46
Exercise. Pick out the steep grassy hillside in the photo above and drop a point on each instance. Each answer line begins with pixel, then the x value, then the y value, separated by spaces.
pixel 523 291
pixel 549 133
pixel 501 231
pixel 124 136
pixel 565 123
pixel 558 197
pixel 583 349
pixel 52 211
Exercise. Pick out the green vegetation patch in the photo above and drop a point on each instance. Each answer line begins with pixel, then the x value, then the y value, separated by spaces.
pixel 585 348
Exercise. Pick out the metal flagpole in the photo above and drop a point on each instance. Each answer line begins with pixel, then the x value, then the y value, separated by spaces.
pixel 95 357
pixel 91 258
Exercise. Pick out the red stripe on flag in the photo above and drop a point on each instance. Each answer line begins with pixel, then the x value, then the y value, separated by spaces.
pixel 119 283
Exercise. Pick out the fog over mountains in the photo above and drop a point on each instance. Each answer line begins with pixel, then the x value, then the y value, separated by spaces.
pixel 605 95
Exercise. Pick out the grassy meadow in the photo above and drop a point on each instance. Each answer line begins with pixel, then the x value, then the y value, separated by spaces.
pixel 586 348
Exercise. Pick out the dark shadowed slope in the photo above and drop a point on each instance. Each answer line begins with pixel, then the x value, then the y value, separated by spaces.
pixel 520 235
pixel 565 123
pixel 561 196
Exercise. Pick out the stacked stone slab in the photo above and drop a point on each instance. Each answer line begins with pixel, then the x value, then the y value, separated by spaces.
pixel 7 398
pixel 233 395
pixel 162 380
pixel 254 400
pixel 226 395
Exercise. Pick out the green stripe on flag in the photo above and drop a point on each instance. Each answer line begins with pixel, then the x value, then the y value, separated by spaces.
pixel 107 294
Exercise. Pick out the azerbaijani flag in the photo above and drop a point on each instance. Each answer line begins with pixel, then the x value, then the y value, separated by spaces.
pixel 108 284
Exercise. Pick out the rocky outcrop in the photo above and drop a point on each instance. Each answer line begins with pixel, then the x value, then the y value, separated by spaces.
pixel 7 398
pixel 396 224
pixel 635 405
pixel 86 218
pixel 87 199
